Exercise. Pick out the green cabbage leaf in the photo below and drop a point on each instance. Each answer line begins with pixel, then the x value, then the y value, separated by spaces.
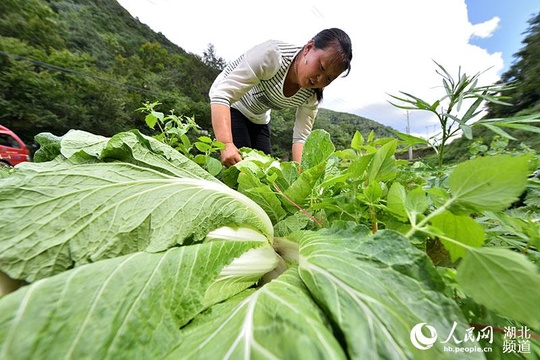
pixel 59 214
pixel 123 308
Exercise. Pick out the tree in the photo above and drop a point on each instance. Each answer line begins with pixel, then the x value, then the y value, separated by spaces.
pixel 32 21
pixel 524 75
pixel 211 59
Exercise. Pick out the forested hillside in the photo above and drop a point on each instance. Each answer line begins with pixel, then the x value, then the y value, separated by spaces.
pixel 88 64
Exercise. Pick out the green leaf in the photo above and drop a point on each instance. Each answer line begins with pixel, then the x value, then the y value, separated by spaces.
pixel 438 195
pixel 498 131
pixel 158 115
pixel 213 166
pixel 331 180
pixel 531 118
pixel 141 150
pixel 410 140
pixel 301 189
pixel 278 321
pixel 419 103
pixel 56 216
pixel 523 225
pixel 461 229
pixel 435 105
pixel 371 294
pixel 357 141
pixel 522 127
pixel 383 165
pixel 186 142
pixel 290 224
pixel 411 106
pixel 130 307
pixel 200 159
pixel 488 183
pixel 76 143
pixel 348 154
pixel 404 107
pixel 471 112
pixel 261 194
pixel 317 149
pixel 504 281
pixel 49 147
pixel 357 169
pixel 202 147
pixel 395 201
pixel 287 173
pixel 446 75
pixel 467 131
pixel 151 120
pixel 205 139
pixel 371 136
pixel 130 147
pixel 416 201
pixel 373 192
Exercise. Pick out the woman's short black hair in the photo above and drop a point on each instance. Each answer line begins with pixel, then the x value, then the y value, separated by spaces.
pixel 342 42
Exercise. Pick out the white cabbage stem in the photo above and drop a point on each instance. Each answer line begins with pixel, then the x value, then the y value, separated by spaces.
pixel 228 233
pixel 243 272
pixel 254 262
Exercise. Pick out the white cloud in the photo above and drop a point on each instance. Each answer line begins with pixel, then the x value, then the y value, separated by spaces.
pixel 394 43
pixel 487 28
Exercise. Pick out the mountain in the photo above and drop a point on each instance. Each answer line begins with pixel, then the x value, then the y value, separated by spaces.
pixel 88 64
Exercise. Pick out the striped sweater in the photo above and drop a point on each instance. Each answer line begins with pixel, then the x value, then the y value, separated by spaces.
pixel 254 82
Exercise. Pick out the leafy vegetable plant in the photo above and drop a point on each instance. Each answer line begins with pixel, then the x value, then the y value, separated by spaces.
pixel 175 131
pixel 131 250
pixel 454 119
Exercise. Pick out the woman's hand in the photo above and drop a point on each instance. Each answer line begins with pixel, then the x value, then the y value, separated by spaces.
pixel 221 123
pixel 230 155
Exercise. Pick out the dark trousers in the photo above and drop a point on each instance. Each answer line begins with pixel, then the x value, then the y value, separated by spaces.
pixel 247 134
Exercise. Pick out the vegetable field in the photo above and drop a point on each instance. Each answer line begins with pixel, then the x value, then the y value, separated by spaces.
pixel 130 250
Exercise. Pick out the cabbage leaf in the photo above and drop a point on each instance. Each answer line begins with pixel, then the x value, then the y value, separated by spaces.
pixel 57 215
pixel 81 147
pixel 278 321
pixel 372 297
pixel 123 308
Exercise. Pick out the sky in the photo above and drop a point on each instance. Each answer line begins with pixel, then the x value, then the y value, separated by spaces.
pixel 395 42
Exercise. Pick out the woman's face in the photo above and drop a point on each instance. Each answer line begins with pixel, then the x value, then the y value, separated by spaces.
pixel 318 67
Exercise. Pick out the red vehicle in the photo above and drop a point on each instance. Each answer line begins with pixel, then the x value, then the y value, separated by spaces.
pixel 12 150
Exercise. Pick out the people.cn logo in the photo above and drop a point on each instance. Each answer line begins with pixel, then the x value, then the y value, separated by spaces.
pixel 421 341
